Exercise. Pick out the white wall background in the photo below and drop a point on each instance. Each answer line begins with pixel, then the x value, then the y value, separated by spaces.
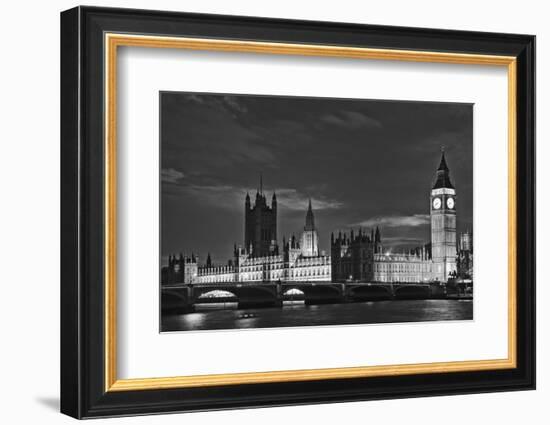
pixel 29 212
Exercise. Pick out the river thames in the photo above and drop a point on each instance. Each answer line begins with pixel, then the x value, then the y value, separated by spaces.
pixel 396 311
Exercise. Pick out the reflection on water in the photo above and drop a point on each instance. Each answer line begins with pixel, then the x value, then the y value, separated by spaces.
pixel 217 306
pixel 296 313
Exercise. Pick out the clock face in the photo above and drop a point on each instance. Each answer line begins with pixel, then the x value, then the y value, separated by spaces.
pixel 450 203
pixel 436 203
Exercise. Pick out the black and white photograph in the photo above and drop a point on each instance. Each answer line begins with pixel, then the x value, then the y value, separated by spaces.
pixel 282 211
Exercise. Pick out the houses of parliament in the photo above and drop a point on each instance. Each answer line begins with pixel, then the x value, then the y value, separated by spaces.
pixel 354 256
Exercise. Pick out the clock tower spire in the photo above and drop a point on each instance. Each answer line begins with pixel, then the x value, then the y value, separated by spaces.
pixel 443 222
pixel 309 243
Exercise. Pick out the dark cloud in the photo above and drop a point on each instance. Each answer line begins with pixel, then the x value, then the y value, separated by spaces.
pixel 293 199
pixel 397 221
pixel 170 175
pixel 362 163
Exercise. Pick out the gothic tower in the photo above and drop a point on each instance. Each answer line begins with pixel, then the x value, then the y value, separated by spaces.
pixel 260 225
pixel 443 223
pixel 310 239
pixel 377 241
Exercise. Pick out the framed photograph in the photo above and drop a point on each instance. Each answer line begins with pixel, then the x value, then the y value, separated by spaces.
pixel 261 212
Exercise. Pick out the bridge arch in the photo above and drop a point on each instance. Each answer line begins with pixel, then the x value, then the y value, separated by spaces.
pixel 293 294
pixel 293 291
pixel 215 294
pixel 244 295
pixel 173 300
pixel 411 292
pixel 313 293
pixel 370 293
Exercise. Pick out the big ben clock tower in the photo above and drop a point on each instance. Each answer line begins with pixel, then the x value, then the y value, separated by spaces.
pixel 443 223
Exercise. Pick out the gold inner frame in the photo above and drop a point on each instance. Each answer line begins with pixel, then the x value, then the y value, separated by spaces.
pixel 113 41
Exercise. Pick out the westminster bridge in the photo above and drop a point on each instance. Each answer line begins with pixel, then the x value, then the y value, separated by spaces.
pixel 183 297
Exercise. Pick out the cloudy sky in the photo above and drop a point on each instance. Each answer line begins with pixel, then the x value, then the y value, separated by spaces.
pixel 362 163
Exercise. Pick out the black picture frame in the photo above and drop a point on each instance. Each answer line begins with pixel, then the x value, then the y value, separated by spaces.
pixel 83 392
